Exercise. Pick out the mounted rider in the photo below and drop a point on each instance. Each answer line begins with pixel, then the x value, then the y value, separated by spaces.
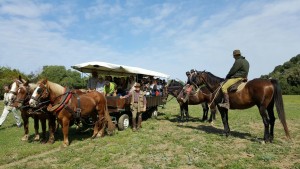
pixel 188 87
pixel 238 71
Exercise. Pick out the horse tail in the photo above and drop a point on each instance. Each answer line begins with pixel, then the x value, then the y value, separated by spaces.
pixel 111 125
pixel 279 106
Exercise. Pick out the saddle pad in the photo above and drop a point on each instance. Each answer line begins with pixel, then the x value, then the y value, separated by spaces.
pixel 241 86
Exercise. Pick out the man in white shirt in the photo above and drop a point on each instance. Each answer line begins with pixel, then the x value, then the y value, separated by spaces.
pixel 7 109
pixel 92 83
pixel 100 85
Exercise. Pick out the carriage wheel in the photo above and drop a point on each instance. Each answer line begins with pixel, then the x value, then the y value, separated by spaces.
pixel 123 122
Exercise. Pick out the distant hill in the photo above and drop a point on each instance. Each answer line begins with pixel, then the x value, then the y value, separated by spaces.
pixel 288 75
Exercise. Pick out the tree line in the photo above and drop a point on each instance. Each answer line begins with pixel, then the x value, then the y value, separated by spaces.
pixel 56 74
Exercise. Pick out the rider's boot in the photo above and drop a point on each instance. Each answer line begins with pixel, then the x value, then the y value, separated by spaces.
pixel 133 124
pixel 226 104
pixel 139 125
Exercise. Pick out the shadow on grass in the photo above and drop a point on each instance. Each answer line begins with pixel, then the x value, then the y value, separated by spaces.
pixel 213 130
pixel 209 129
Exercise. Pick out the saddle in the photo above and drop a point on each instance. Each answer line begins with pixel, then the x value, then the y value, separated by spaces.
pixel 238 86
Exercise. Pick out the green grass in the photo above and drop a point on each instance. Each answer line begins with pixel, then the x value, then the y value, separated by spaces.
pixel 164 143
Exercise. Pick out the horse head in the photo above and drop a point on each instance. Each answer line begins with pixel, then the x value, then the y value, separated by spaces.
pixel 174 87
pixel 23 94
pixel 199 78
pixel 40 93
pixel 11 95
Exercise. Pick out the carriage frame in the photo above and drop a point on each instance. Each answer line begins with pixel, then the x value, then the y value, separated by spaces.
pixel 119 109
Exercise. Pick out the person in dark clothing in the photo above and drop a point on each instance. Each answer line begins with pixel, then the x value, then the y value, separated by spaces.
pixel 238 71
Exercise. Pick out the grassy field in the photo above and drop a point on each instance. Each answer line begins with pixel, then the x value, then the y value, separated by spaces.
pixel 163 143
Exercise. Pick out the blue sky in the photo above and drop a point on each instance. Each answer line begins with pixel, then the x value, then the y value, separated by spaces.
pixel 166 36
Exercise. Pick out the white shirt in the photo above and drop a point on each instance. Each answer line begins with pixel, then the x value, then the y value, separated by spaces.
pixel 92 83
pixel 100 87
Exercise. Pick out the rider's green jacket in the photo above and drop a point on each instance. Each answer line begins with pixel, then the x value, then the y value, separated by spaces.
pixel 240 68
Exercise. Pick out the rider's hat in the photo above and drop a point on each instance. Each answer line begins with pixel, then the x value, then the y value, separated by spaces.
pixel 137 85
pixel 236 52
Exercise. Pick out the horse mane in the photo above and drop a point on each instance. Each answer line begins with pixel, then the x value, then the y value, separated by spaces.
pixel 32 87
pixel 175 83
pixel 212 79
pixel 56 88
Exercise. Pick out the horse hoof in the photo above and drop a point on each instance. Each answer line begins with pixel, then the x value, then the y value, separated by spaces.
pixel 37 138
pixel 99 134
pixel 25 138
pixel 65 145
pixel 43 141
pixel 50 141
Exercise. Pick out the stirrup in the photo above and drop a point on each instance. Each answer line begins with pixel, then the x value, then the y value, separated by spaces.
pixel 224 105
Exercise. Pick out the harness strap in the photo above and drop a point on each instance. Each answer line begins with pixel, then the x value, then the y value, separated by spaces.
pixel 217 92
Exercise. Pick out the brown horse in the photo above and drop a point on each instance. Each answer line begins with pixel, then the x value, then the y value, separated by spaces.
pixel 69 106
pixel 201 96
pixel 263 93
pixel 21 102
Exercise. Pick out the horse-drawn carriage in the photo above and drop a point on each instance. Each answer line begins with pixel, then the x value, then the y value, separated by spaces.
pixel 118 108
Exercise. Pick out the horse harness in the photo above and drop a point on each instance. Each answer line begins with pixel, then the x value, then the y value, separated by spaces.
pixel 64 104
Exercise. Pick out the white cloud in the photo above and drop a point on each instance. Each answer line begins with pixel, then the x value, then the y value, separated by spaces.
pixel 23 8
pixel 101 9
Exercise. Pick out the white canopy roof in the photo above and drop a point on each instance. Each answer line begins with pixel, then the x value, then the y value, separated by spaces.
pixel 113 69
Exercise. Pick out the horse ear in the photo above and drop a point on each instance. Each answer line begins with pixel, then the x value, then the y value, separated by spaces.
pixel 26 83
pixel 45 81
pixel 20 79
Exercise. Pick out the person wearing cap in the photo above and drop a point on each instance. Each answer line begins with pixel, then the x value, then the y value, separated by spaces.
pixel 137 105
pixel 110 88
pixel 92 82
pixel 238 71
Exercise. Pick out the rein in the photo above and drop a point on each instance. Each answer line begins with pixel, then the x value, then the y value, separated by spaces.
pixel 206 84
pixel 218 89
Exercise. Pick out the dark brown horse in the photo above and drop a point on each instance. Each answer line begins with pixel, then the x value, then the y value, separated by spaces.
pixel 263 93
pixel 69 106
pixel 21 102
pixel 201 96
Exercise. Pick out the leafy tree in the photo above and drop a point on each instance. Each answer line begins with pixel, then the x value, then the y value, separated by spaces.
pixel 59 74
pixel 288 75
pixel 8 75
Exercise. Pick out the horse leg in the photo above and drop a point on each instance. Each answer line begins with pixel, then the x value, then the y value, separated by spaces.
pixel 205 111
pixel 224 116
pixel 213 110
pixel 101 126
pixel 52 128
pixel 65 130
pixel 36 128
pixel 43 124
pixel 26 124
pixel 181 114
pixel 272 120
pixel 186 109
pixel 212 116
pixel 266 121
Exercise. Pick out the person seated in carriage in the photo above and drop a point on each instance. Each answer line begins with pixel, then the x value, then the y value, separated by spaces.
pixel 122 85
pixel 100 85
pixel 154 88
pixel 92 82
pixel 110 88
